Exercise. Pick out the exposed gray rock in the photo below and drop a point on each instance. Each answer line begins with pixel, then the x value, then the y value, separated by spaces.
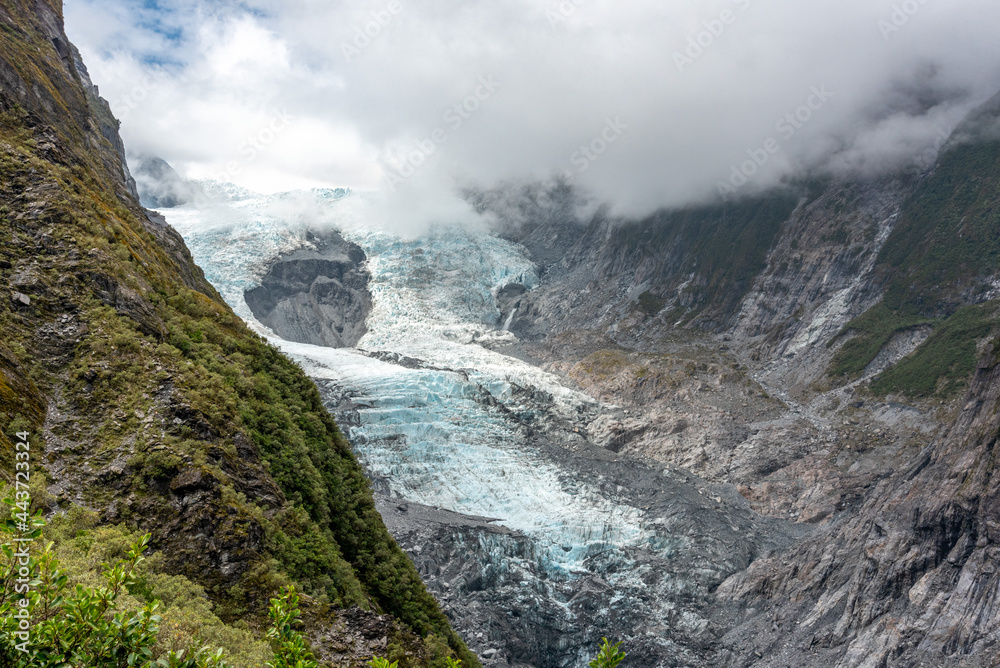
pixel 109 125
pixel 316 296
pixel 173 244
pixel 494 584
pixel 159 185
pixel 911 579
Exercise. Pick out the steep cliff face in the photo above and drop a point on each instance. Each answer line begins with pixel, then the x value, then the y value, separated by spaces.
pixel 910 579
pixel 906 579
pixel 149 401
pixel 811 348
pixel 689 267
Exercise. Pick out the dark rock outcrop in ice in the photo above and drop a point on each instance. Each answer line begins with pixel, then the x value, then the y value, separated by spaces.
pixel 316 296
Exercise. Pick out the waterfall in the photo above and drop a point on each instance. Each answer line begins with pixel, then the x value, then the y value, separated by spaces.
pixel 510 319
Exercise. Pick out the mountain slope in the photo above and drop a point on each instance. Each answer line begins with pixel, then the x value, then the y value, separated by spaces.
pixel 908 577
pixel 834 359
pixel 151 401
pixel 941 259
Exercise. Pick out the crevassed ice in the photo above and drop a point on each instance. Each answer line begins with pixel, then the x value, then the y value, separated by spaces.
pixel 233 242
pixel 424 429
pixel 459 454
pixel 434 297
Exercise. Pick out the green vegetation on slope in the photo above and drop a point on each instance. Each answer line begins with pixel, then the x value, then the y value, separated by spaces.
pixel 949 232
pixel 874 329
pixel 153 401
pixel 280 409
pixel 945 361
pixel 96 600
pixel 725 247
pixel 945 244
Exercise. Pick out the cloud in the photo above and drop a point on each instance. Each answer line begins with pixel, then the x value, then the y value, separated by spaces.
pixel 391 95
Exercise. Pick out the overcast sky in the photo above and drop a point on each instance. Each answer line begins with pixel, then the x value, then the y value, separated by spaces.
pixel 644 103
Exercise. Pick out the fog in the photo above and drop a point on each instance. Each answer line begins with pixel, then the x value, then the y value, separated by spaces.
pixel 642 104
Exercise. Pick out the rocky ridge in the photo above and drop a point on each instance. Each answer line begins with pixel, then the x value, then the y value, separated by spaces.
pixel 897 571
pixel 149 403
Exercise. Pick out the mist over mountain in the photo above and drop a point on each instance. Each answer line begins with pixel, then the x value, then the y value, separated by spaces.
pixel 644 104
pixel 159 185
pixel 502 330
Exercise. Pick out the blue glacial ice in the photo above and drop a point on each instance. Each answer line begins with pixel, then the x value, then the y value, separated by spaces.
pixel 428 431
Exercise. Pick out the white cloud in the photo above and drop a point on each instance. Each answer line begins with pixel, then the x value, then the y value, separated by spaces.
pixel 698 83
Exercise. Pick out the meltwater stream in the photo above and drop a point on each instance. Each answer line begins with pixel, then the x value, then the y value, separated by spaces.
pixel 439 420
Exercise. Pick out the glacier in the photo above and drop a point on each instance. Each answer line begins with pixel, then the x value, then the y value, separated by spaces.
pixel 457 427
pixel 433 299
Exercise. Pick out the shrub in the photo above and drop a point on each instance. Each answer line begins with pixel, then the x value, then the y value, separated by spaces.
pixel 609 656
pixel 379 662
pixel 289 645
pixel 650 304
pixel 80 627
pixel 115 623
pixel 161 465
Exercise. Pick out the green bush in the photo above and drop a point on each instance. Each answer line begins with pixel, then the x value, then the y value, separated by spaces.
pixel 379 662
pixel 609 655
pixel 116 621
pixel 650 304
pixel 161 465
pixel 45 623
pixel 289 646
